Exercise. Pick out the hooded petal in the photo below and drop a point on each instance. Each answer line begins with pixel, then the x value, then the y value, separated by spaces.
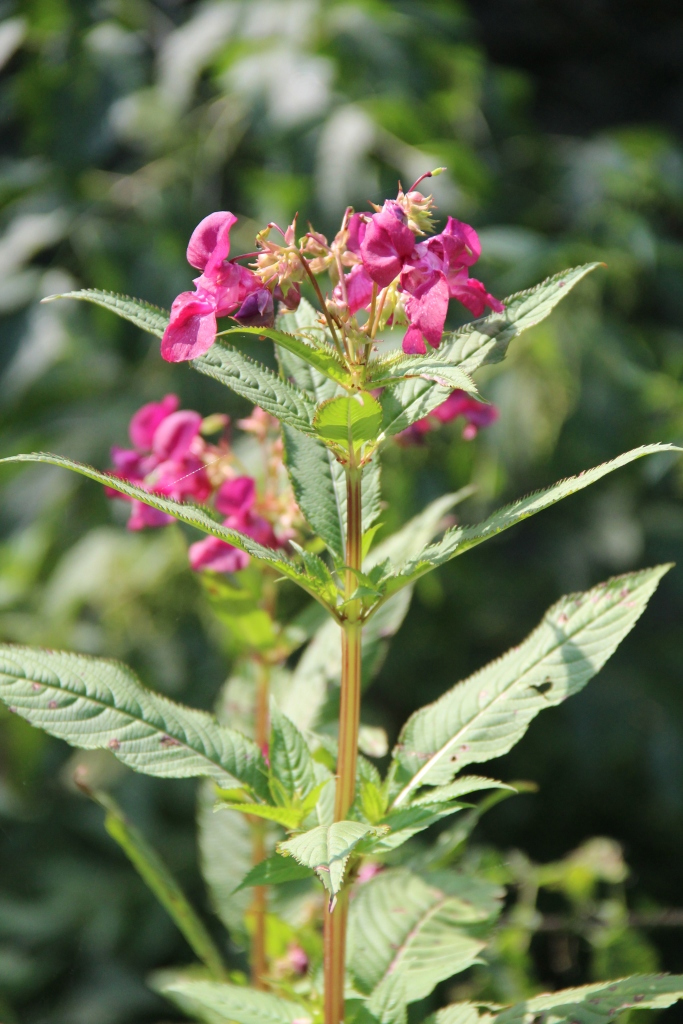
pixel 216 554
pixel 192 328
pixel 387 243
pixel 146 420
pixel 235 497
pixel 462 242
pixel 175 434
pixel 210 242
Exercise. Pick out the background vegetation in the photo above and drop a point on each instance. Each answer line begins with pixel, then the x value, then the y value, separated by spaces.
pixel 125 122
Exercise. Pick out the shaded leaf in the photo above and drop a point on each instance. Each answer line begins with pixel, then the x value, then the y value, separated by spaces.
pixel 327 849
pixel 145 316
pixel 274 870
pixel 96 703
pixel 321 357
pixel 219 1002
pixel 484 716
pixel 591 1004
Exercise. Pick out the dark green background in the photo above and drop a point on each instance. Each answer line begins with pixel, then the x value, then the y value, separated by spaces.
pixel 560 124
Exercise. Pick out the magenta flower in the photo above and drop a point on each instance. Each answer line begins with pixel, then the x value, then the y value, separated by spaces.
pixel 459 403
pixel 221 289
pixel 234 499
pixel 435 273
pixel 166 459
pixel 386 244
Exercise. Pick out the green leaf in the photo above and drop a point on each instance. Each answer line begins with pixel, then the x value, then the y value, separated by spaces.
pixel 290 759
pixel 273 871
pixel 194 515
pixel 484 716
pixel 97 703
pixel 433 368
pixel 258 384
pixel 476 344
pixel 218 1002
pixel 145 316
pixel 406 822
pixel 226 851
pixel 157 876
pixel 288 817
pixel 458 1013
pixel 349 422
pixel 459 539
pixel 602 1001
pixel 323 359
pixel 459 787
pixel 404 939
pixel 327 849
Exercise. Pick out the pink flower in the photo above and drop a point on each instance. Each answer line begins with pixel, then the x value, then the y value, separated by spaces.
pixel 234 499
pixel 459 403
pixel 221 289
pixel 436 272
pixel 386 243
pixel 165 460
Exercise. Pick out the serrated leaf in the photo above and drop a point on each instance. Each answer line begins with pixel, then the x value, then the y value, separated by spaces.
pixel 324 359
pixel 459 787
pixel 404 939
pixel 273 871
pixel 459 539
pixel 145 316
pixel 477 344
pixel 458 1013
pixel 97 703
pixel 484 716
pixel 290 759
pixel 288 817
pixel 406 822
pixel 193 515
pixel 218 1002
pixel 349 422
pixel 602 1001
pixel 258 384
pixel 326 849
pixel 432 368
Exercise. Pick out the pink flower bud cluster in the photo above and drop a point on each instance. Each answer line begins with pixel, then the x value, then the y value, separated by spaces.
pixel 170 456
pixel 382 264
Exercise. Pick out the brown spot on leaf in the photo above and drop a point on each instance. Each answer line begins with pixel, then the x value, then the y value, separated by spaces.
pixel 169 741
pixel 114 744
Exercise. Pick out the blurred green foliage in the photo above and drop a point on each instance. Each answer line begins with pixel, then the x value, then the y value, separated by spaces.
pixel 125 122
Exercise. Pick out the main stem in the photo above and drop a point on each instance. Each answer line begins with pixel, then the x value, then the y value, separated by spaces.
pixel 349 717
pixel 259 907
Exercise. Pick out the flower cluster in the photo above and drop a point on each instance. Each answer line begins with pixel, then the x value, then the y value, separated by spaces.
pixel 171 456
pixel 382 264
pixel 458 404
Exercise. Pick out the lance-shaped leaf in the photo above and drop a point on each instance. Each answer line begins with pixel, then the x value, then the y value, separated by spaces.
pixel 461 538
pixel 432 368
pixel 348 423
pixel 194 515
pixel 327 849
pixel 258 384
pixel 273 871
pixel 217 1002
pixel 459 787
pixel 321 357
pixel 96 703
pixel 404 938
pixel 145 316
pixel 484 716
pixel 157 876
pixel 603 1001
pixel 291 764
pixel 476 344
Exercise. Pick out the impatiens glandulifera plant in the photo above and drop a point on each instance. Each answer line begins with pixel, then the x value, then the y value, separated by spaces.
pixel 397 918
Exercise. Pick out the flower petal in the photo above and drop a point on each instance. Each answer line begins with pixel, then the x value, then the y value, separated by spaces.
pixel 216 554
pixel 210 241
pixel 147 419
pixel 235 497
